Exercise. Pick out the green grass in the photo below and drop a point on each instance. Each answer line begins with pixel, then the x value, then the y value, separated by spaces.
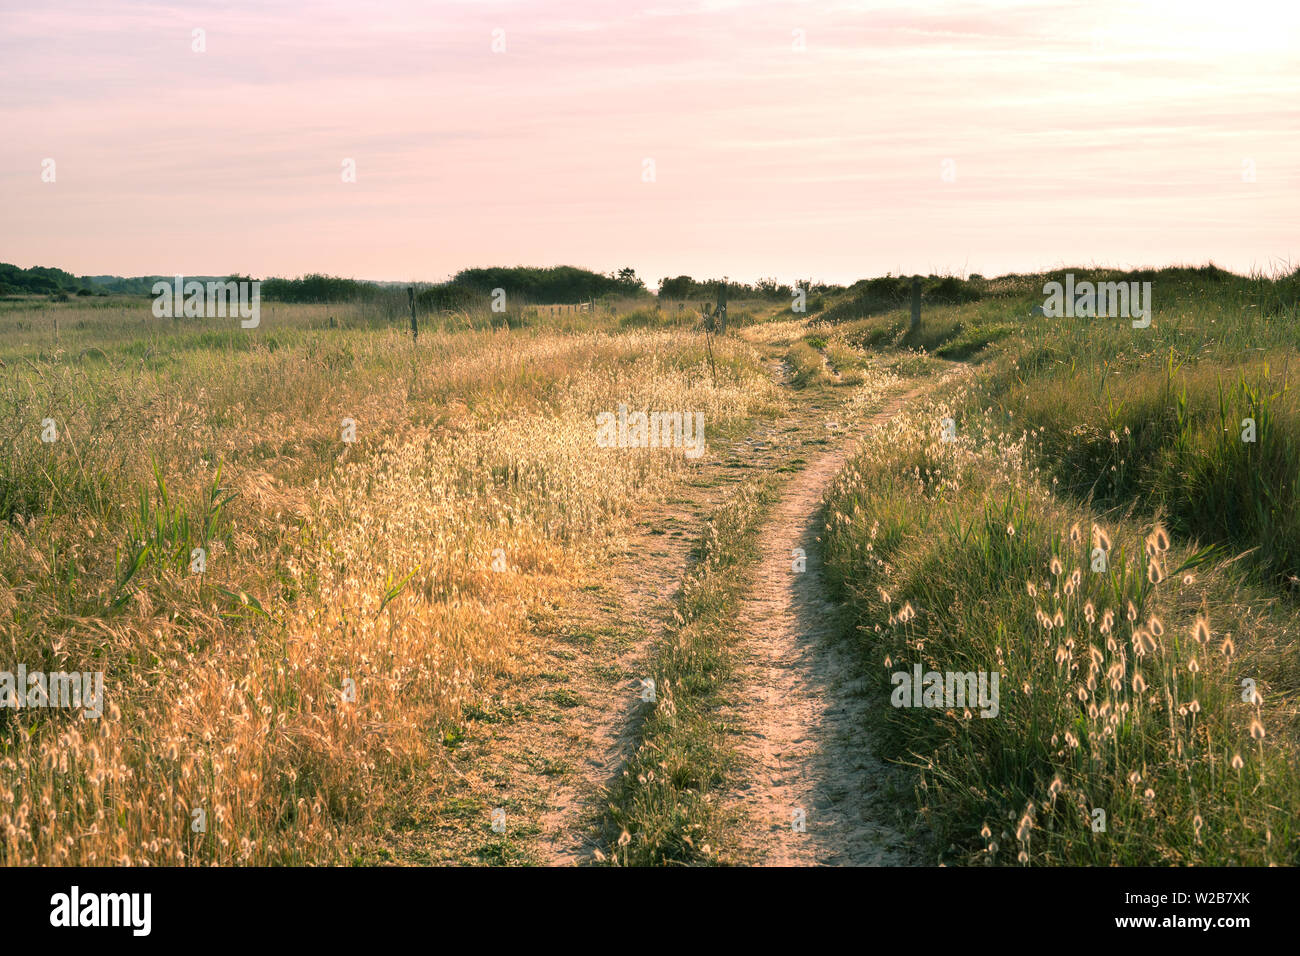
pixel 1071 424
pixel 808 367
pixel 663 809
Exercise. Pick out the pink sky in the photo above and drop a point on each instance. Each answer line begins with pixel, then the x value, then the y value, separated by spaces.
pixel 1100 132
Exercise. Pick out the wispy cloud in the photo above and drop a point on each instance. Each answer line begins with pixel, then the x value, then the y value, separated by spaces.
pixel 787 137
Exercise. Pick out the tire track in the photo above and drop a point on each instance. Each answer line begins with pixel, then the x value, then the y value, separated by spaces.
pixel 802 714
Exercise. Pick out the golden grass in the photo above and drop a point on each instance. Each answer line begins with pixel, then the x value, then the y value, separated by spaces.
pixel 356 594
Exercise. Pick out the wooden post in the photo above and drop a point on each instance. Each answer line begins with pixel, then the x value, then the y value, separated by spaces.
pixel 708 340
pixel 916 305
pixel 410 296
pixel 721 310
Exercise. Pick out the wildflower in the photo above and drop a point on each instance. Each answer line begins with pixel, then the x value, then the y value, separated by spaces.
pixel 1139 685
pixel 1256 730
pixel 1228 648
pixel 1154 574
pixel 1156 625
pixel 1075 535
pixel 1059 620
pixel 1237 762
pixel 1011 531
pixel 1055 787
pixel 1100 538
pixel 1193 666
pixel 1056 566
pixel 1089 613
pixel 1132 612
pixel 1033 591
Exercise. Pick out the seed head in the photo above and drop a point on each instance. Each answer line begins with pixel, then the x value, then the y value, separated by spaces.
pixel 1201 630
pixel 1160 538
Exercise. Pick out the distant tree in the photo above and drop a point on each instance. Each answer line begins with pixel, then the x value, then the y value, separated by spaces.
pixel 772 289
pixel 627 278
pixel 682 287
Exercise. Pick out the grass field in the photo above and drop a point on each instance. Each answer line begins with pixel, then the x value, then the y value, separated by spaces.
pixel 330 564
pixel 353 593
pixel 1158 685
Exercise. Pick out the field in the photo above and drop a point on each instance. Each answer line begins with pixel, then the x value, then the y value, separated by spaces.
pixel 362 599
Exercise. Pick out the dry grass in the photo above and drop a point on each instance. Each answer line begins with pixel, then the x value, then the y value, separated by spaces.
pixel 403 566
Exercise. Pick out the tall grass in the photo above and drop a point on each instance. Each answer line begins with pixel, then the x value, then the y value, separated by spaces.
pixel 356 595
pixel 1157 686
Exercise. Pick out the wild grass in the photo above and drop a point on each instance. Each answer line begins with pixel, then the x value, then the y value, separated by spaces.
pixel 665 807
pixel 807 364
pixel 1159 685
pixel 355 594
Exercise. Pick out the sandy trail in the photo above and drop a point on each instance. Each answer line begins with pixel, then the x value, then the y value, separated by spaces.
pixel 650 574
pixel 648 578
pixel 804 741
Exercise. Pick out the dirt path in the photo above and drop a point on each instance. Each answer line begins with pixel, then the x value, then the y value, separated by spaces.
pixel 804 720
pixel 547 740
pixel 648 575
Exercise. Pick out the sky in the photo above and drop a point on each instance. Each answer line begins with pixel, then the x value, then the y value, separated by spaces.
pixel 747 138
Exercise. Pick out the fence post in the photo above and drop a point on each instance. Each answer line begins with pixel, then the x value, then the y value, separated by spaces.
pixel 721 311
pixel 916 304
pixel 410 296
